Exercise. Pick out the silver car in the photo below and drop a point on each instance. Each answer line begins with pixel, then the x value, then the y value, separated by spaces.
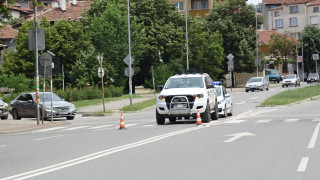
pixel 25 106
pixel 291 80
pixel 257 83
pixel 3 110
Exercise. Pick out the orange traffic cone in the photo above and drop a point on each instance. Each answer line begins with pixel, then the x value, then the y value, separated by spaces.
pixel 122 126
pixel 198 122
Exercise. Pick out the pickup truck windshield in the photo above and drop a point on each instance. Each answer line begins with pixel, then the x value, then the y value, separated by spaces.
pixel 184 82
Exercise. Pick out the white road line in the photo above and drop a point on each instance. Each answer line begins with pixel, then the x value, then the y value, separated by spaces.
pixel 314 137
pixel 303 164
pixel 254 97
pixel 263 121
pixel 241 102
pixel 49 129
pixel 234 121
pixel 47 138
pixel 149 125
pixel 126 125
pixel 99 127
pixel 2 146
pixel 291 120
pixel 74 128
pixel 96 155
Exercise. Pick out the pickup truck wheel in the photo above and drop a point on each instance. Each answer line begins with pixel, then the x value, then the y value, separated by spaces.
pixel 160 119
pixel 172 119
pixel 231 111
pixel 206 115
pixel 215 114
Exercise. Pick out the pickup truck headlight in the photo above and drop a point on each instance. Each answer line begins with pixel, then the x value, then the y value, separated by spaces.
pixel 163 98
pixel 198 96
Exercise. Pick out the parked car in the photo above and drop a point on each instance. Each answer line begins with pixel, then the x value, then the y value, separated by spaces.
pixel 291 80
pixel 273 75
pixel 224 100
pixel 4 109
pixel 25 106
pixel 257 83
pixel 313 77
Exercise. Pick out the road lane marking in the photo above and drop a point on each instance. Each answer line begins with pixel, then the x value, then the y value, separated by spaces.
pixel 263 121
pixel 49 129
pixel 99 127
pixel 74 128
pixel 291 120
pixel 303 164
pixel 100 154
pixel 238 135
pixel 2 146
pixel 241 102
pixel 47 137
pixel 254 97
pixel 314 137
pixel 234 121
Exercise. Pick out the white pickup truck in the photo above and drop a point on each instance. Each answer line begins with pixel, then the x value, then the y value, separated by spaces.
pixel 183 95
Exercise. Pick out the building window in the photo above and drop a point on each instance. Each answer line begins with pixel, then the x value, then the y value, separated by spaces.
pixel 314 20
pixel 295 35
pixel 180 6
pixel 276 13
pixel 200 4
pixel 293 21
pixel 279 23
pixel 294 9
pixel 315 9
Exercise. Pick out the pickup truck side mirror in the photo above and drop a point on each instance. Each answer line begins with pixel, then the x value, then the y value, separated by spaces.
pixel 160 87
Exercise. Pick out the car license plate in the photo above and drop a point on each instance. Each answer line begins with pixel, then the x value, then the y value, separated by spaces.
pixel 63 113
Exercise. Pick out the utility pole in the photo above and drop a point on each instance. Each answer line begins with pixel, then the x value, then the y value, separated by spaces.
pixel 37 61
pixel 186 10
pixel 130 60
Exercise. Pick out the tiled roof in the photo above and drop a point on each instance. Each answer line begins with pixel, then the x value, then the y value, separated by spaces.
pixel 8 32
pixel 17 7
pixel 286 1
pixel 264 36
pixel 314 3
pixel 72 11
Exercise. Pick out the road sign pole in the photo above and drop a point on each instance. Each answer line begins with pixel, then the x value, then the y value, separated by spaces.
pixel 37 66
pixel 129 41
pixel 101 71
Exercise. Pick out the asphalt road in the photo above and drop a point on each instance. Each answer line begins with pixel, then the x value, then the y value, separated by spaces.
pixel 255 143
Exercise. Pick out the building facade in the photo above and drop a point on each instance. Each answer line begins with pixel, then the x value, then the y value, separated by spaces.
pixel 194 7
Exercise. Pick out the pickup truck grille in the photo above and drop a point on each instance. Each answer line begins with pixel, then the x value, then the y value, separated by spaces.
pixel 190 99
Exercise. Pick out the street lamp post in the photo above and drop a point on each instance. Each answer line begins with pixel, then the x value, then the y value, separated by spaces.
pixel 186 10
pixel 257 41
pixel 295 33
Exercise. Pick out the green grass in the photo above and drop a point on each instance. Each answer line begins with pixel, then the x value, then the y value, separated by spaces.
pixel 90 102
pixel 139 106
pixel 292 96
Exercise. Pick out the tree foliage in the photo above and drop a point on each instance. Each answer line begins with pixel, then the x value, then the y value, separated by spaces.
pixel 4 9
pixel 282 46
pixel 235 20
pixel 310 38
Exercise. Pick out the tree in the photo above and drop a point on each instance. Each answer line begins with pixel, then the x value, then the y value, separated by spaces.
pixel 109 34
pixel 4 9
pixel 235 20
pixel 310 38
pixel 283 45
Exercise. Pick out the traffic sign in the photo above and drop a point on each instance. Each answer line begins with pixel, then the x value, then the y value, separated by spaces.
pixel 100 58
pixel 257 62
pixel 100 72
pixel 230 56
pixel 126 71
pixel 127 60
pixel 299 59
pixel 315 57
pixel 45 59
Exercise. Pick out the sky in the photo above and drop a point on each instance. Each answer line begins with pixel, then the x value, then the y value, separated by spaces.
pixel 254 1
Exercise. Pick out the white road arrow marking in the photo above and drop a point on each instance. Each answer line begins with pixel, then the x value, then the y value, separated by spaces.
pixel 241 102
pixel 238 135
